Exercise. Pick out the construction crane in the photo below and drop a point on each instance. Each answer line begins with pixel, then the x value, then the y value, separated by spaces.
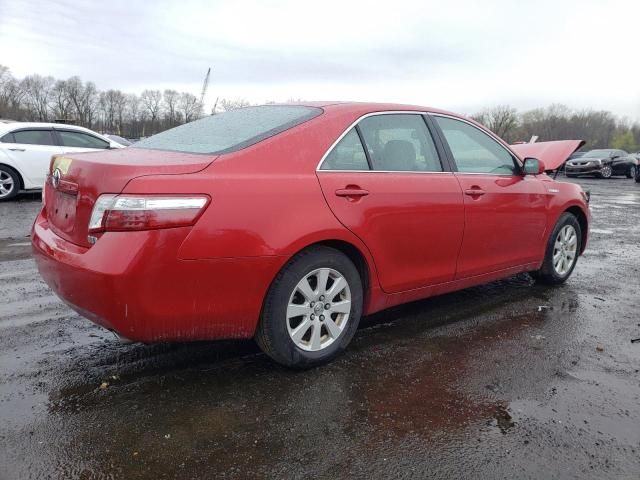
pixel 205 85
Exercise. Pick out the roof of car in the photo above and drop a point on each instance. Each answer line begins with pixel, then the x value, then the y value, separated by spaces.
pixel 370 106
pixel 40 125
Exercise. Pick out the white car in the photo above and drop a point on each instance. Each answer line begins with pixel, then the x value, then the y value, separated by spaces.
pixel 26 150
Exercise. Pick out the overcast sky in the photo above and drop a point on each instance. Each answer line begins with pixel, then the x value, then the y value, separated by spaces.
pixel 458 55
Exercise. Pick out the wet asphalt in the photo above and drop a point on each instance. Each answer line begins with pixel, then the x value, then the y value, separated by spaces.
pixel 507 380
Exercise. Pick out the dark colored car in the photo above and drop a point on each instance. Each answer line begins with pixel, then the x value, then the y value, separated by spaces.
pixel 637 175
pixel 603 163
pixel 577 155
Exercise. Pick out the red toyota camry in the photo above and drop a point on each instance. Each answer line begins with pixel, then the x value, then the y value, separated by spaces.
pixel 287 223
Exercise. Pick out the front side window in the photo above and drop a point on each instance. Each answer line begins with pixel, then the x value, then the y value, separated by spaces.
pixel 348 154
pixel 34 137
pixel 473 150
pixel 81 140
pixel 399 142
pixel 230 131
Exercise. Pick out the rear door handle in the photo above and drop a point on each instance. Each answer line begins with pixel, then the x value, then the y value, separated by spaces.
pixel 474 192
pixel 17 149
pixel 351 192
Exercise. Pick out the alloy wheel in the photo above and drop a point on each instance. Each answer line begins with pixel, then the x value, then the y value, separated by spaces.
pixel 6 184
pixel 565 250
pixel 318 309
pixel 606 171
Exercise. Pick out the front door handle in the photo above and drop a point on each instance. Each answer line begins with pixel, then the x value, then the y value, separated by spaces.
pixel 17 149
pixel 474 192
pixel 351 192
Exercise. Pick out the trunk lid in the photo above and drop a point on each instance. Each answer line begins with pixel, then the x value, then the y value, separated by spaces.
pixel 75 181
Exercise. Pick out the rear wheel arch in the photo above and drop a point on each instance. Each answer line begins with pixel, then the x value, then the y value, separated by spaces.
pixel 355 255
pixel 336 254
pixel 364 265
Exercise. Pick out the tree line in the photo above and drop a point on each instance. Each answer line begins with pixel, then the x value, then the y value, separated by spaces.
pixel 39 98
pixel 599 128
pixel 45 99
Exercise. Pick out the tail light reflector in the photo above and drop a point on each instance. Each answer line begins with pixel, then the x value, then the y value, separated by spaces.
pixel 121 213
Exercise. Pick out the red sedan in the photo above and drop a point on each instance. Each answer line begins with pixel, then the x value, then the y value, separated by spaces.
pixel 287 223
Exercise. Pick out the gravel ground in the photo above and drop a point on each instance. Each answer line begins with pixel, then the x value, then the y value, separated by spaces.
pixel 510 380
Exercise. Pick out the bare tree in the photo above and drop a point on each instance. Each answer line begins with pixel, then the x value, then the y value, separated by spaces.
pixel 189 106
pixel 112 103
pixel 84 98
pixel 132 108
pixel 37 91
pixel 501 120
pixel 11 95
pixel 152 102
pixel 171 98
pixel 60 101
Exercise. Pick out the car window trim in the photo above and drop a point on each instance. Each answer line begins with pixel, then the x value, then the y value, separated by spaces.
pixel 444 165
pixel 70 130
pixel 517 162
pixel 364 147
pixel 31 129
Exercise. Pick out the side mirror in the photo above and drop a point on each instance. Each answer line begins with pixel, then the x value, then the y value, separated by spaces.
pixel 533 166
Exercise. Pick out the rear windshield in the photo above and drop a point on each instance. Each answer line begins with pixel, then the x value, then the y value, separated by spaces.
pixel 230 131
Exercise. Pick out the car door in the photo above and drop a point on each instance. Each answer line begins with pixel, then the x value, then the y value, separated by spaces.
pixel 31 149
pixel 620 162
pixel 73 141
pixel 505 211
pixel 384 180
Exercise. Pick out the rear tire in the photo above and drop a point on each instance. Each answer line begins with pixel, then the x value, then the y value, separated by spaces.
pixel 9 183
pixel 312 309
pixel 561 254
pixel 632 172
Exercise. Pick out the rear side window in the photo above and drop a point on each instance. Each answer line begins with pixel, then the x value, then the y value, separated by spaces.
pixel 400 142
pixel 81 140
pixel 348 154
pixel 230 131
pixel 473 150
pixel 8 138
pixel 34 137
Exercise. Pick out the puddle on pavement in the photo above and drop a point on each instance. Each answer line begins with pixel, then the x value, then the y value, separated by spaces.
pixel 165 409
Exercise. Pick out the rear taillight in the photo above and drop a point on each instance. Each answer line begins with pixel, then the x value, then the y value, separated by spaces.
pixel 121 213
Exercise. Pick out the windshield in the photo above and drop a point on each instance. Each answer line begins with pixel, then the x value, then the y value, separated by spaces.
pixel 230 131
pixel 597 154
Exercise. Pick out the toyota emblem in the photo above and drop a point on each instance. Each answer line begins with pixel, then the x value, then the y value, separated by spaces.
pixel 55 178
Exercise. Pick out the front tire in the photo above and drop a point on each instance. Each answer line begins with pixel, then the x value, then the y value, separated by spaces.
pixel 312 309
pixel 606 171
pixel 9 183
pixel 561 254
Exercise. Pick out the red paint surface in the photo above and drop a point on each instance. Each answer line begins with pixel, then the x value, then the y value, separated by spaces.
pixel 419 234
pixel 553 153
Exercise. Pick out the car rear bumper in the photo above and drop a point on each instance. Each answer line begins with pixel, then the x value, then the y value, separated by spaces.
pixel 134 284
